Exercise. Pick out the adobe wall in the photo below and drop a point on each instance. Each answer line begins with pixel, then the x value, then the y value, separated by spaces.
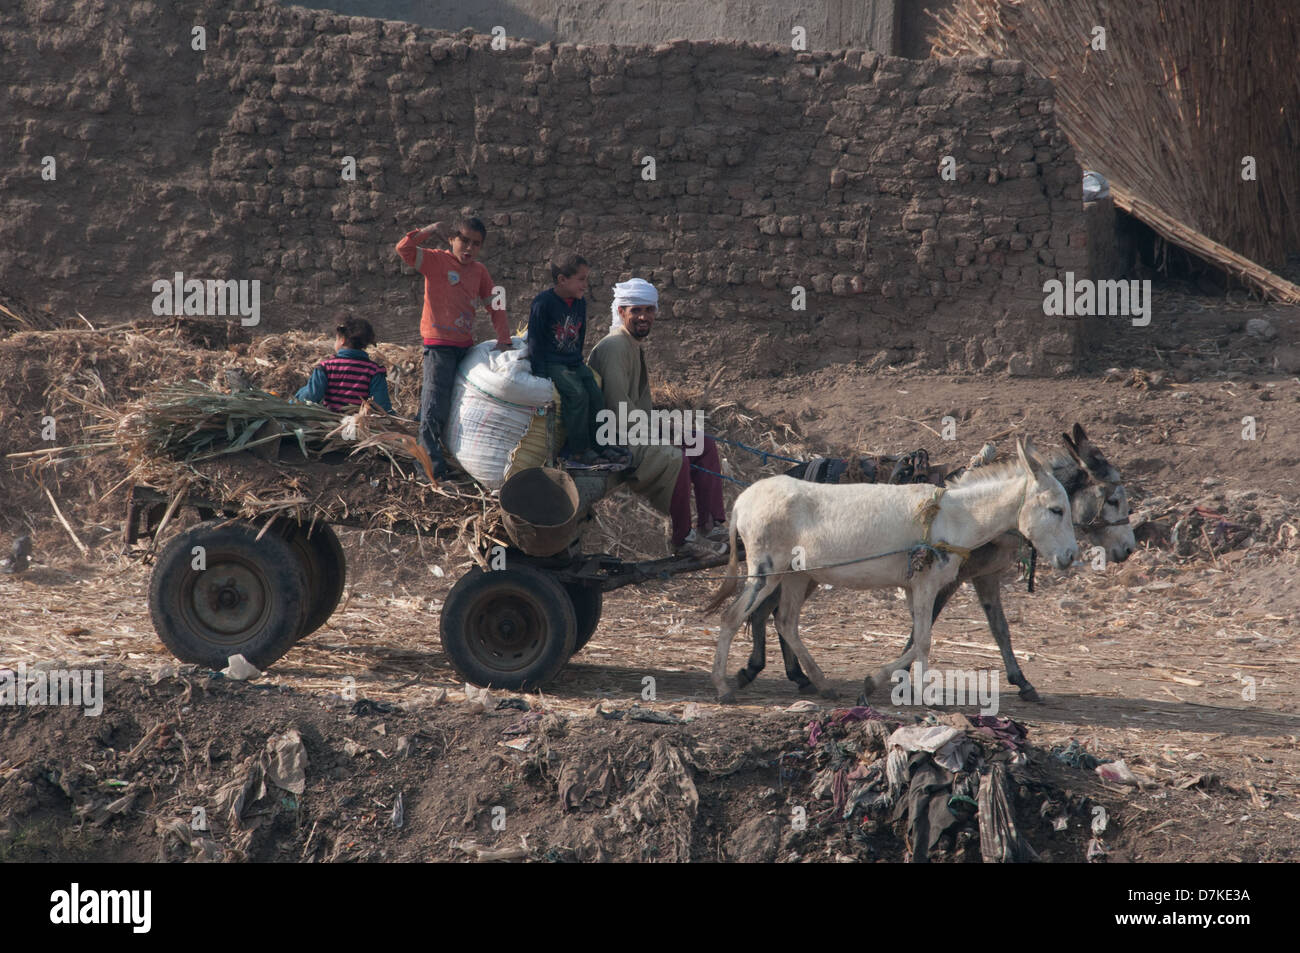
pixel 827 24
pixel 771 170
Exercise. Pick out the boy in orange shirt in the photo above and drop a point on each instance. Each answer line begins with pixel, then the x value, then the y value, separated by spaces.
pixel 455 284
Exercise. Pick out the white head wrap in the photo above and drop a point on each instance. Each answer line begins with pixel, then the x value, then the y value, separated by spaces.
pixel 632 292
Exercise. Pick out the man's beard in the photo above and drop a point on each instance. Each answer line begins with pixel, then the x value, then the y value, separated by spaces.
pixel 639 335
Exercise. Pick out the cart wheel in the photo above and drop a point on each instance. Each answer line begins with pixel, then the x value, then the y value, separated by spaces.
pixel 509 628
pixel 325 565
pixel 587 603
pixel 250 598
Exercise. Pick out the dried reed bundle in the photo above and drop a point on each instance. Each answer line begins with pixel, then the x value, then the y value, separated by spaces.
pixel 1184 90
pixel 192 422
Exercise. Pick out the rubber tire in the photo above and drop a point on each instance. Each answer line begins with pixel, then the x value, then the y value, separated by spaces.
pixel 587 604
pixel 271 569
pixel 323 561
pixel 515 591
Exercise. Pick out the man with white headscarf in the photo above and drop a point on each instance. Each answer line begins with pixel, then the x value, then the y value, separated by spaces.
pixel 664 474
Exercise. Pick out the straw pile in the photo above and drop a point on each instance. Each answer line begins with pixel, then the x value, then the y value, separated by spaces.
pixel 1182 92
pixel 192 421
pixel 261 455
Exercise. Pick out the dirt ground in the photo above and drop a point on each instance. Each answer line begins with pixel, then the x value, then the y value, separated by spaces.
pixel 1183 661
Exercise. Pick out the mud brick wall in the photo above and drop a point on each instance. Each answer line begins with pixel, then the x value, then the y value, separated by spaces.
pixel 772 170
pixel 828 24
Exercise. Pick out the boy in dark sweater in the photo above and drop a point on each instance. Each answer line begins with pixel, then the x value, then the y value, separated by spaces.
pixel 557 329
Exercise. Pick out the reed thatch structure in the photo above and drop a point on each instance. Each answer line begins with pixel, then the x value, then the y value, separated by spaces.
pixel 1182 92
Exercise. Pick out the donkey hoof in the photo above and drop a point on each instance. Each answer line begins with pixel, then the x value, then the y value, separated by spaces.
pixel 1029 693
pixel 868 686
pixel 807 688
pixel 727 698
pixel 830 693
pixel 743 678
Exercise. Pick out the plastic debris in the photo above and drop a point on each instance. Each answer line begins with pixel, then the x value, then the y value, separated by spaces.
pixel 479 698
pixel 923 737
pixel 1095 186
pixel 287 764
pixel 1118 772
pixel 240 669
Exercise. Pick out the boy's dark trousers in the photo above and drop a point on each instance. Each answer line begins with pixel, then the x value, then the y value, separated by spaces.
pixel 440 363
pixel 580 400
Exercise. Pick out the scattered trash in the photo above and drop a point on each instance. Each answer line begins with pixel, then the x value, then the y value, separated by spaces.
pixel 840 717
pixel 637 713
pixel 479 698
pixel 1118 772
pixel 287 767
pixel 1096 850
pixel 692 711
pixel 928 738
pixel 804 705
pixel 1077 756
pixel 437 571
pixel 240 669
pixel 1010 733
pixel 429 698
pixel 1000 841
pixel 404 746
pixel 518 704
pixel 586 788
pixel 518 744
pixel 398 817
pixel 524 725
pixel 609 714
pixel 368 706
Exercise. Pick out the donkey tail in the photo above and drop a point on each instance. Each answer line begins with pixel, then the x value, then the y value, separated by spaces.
pixel 732 580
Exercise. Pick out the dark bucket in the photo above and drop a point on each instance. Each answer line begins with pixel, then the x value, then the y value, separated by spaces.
pixel 540 508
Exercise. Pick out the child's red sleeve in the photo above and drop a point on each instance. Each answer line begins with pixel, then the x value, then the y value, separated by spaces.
pixel 407 249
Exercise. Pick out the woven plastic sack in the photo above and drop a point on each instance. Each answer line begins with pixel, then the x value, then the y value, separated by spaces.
pixel 493 402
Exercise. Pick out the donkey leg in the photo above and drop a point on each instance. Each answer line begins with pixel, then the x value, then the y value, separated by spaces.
pixel 792 669
pixel 989 589
pixel 884 675
pixel 759 587
pixel 921 597
pixel 940 601
pixel 758 629
pixel 787 624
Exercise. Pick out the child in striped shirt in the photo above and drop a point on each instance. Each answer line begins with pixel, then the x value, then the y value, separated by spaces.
pixel 350 376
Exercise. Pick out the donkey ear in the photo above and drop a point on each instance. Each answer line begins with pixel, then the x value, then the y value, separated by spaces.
pixel 1071 446
pixel 1079 436
pixel 1029 457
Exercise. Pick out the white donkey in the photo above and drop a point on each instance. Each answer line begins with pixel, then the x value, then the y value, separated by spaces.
pixel 876 536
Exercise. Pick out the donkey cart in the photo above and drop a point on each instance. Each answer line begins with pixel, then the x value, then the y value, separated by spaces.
pixel 231 586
